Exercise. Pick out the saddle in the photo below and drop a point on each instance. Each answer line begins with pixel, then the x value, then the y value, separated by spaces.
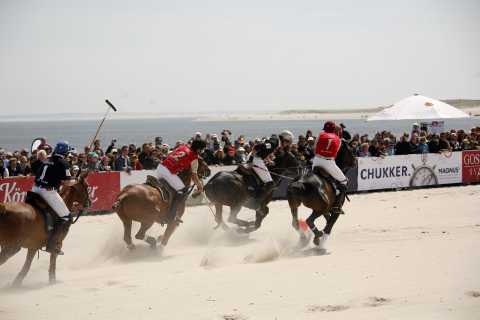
pixel 250 178
pixel 48 214
pixel 166 192
pixel 320 172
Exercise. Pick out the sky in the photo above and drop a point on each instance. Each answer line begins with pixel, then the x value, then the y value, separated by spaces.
pixel 64 56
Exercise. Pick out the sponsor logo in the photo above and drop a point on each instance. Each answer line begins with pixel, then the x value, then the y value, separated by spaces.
pixel 387 172
pixel 471 159
pixel 455 170
pixel 12 193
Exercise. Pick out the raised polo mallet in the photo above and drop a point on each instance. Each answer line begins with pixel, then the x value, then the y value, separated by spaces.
pixel 110 106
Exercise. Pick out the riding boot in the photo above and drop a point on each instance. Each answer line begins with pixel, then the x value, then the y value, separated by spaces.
pixel 265 191
pixel 340 199
pixel 54 241
pixel 172 213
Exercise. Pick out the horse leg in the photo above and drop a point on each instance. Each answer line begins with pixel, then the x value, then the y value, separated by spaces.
pixel 331 222
pixel 311 224
pixel 219 217
pixel 171 226
pixel 127 232
pixel 260 214
pixel 26 266
pixel 233 217
pixel 52 269
pixel 141 234
pixel 7 253
pixel 294 210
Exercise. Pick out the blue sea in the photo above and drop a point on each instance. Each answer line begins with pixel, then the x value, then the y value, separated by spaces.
pixel 18 134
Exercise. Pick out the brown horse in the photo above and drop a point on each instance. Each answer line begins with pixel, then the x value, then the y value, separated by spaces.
pixel 144 203
pixel 315 191
pixel 23 226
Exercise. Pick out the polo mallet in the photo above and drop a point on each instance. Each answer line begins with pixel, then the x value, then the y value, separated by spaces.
pixel 110 106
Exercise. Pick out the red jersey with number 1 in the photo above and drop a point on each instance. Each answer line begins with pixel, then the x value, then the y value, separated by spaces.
pixel 328 145
pixel 180 159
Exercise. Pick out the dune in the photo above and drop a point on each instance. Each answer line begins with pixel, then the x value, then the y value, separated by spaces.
pixel 394 255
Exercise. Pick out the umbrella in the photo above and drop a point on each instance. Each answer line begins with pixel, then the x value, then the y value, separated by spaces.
pixel 418 107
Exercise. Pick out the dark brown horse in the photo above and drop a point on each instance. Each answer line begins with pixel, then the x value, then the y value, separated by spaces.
pixel 232 189
pixel 315 191
pixel 145 204
pixel 23 226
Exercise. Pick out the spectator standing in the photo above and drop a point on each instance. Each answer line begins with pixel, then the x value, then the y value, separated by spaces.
pixel 434 144
pixel 14 168
pixel 345 134
pixel 422 145
pixel 403 146
pixel 122 163
pixel 146 158
pixel 3 170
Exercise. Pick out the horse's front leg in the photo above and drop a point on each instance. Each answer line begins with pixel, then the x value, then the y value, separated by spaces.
pixel 232 218
pixel 171 226
pixel 331 222
pixel 311 224
pixel 52 270
pixel 26 267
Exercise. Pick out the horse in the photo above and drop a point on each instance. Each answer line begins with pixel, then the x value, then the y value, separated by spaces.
pixel 23 225
pixel 147 204
pixel 315 191
pixel 231 188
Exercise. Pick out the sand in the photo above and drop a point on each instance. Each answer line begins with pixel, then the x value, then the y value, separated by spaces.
pixel 394 255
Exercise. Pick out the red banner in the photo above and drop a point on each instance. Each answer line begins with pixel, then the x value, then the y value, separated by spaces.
pixel 471 166
pixel 103 188
pixel 15 189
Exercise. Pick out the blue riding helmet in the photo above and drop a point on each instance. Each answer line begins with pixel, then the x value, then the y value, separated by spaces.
pixel 62 148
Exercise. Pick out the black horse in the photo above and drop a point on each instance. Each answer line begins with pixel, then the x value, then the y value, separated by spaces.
pixel 235 189
pixel 315 191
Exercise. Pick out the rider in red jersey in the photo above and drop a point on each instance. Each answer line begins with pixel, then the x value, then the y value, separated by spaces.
pixel 328 144
pixel 181 158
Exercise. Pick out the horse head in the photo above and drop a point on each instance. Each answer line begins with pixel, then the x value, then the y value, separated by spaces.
pixel 77 192
pixel 346 158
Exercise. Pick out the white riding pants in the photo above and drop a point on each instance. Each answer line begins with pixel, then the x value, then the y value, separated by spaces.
pixel 331 167
pixel 54 201
pixel 172 179
pixel 261 170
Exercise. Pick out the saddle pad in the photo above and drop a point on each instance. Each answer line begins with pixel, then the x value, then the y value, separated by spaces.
pixel 48 214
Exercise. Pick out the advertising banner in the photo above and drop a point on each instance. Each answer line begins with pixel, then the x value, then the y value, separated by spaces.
pixel 415 170
pixel 103 188
pixel 15 189
pixel 471 166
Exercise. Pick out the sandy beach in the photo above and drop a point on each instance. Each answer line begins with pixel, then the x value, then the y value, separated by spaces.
pixel 394 255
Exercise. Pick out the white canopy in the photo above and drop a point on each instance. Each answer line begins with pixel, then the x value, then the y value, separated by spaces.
pixel 418 107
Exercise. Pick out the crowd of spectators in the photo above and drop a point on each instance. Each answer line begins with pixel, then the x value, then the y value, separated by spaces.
pixel 225 149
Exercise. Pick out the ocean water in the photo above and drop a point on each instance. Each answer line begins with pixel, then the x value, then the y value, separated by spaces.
pixel 15 135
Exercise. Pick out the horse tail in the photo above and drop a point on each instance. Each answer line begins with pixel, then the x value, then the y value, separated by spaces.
pixel 118 202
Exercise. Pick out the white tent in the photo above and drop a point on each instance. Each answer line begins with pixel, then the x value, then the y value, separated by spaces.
pixel 418 107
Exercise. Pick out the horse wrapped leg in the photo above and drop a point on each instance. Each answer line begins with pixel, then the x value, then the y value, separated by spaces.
pixel 311 224
pixel 141 234
pixel 219 217
pixel 26 267
pixel 328 228
pixel 52 269
pixel 127 232
pixel 171 226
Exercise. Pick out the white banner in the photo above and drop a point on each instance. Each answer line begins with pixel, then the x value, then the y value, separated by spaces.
pixel 413 170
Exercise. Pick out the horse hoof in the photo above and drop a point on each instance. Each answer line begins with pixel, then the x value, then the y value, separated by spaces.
pixel 152 242
pixel 52 281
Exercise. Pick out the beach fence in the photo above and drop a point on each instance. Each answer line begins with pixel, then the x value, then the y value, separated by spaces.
pixel 370 174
